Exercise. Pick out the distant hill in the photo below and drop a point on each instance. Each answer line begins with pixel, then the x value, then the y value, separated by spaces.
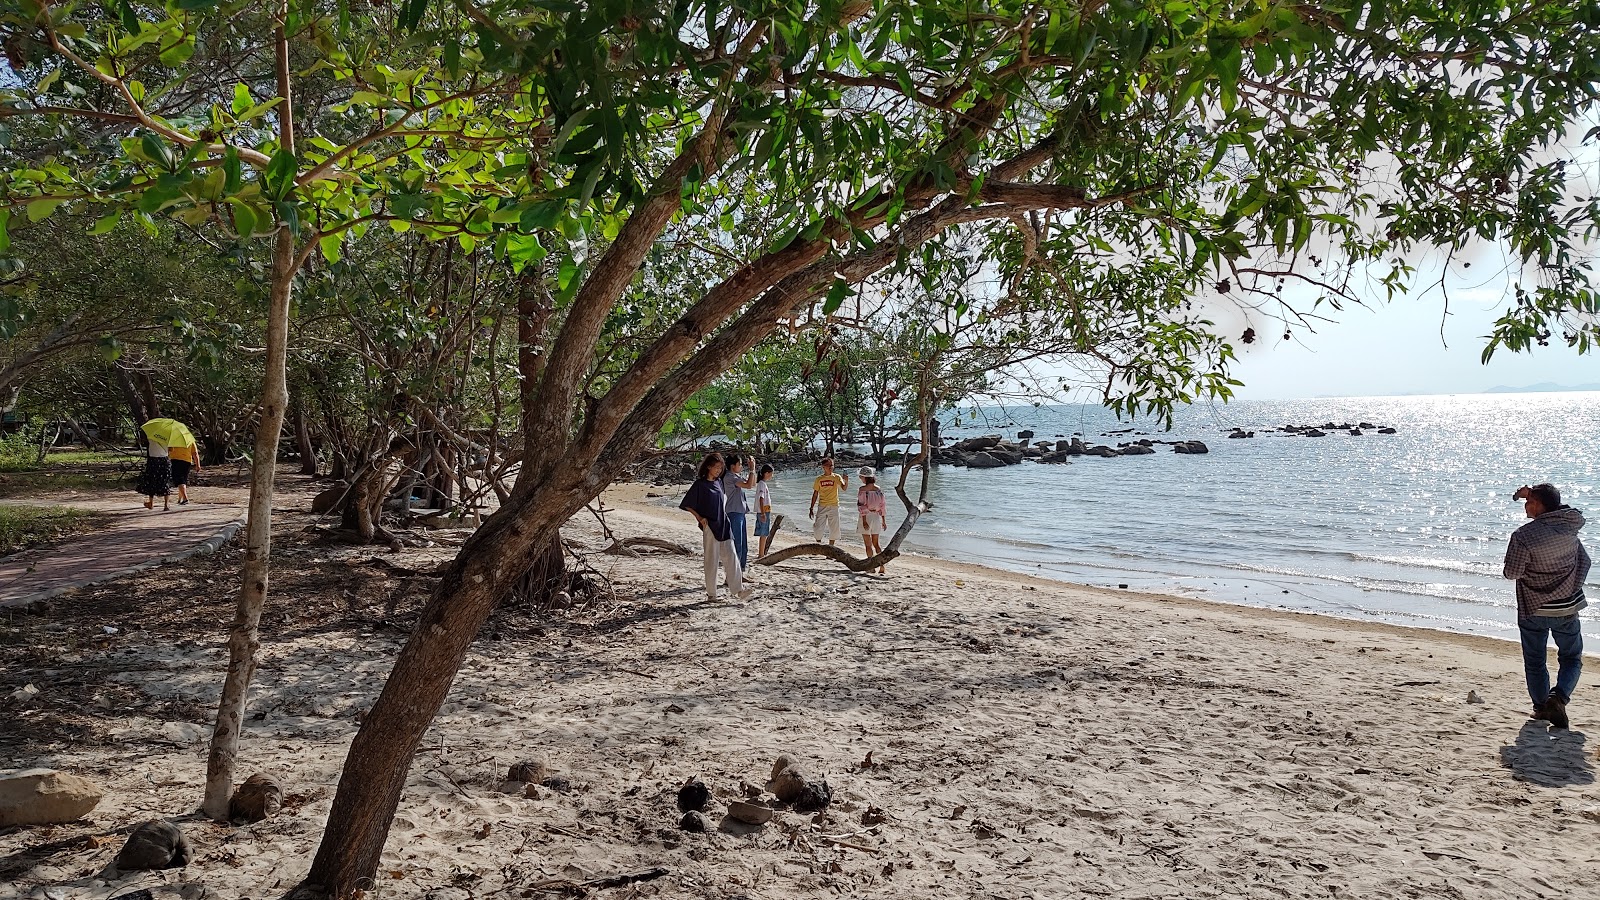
pixel 1543 387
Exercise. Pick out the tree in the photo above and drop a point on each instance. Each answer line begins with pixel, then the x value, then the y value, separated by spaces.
pixel 154 111
pixel 1209 138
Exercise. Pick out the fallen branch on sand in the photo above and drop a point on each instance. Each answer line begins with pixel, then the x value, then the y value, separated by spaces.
pixel 851 562
pixel 630 547
pixel 581 888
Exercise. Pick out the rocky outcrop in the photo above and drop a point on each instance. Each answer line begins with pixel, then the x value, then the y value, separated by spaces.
pixel 1190 447
pixel 984 459
pixel 973 445
pixel 1137 450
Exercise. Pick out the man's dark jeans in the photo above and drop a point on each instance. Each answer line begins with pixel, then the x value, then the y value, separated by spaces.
pixel 1536 631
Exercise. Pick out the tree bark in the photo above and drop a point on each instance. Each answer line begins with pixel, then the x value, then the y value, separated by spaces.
pixel 302 439
pixel 244 637
pixel 135 400
pixel 490 563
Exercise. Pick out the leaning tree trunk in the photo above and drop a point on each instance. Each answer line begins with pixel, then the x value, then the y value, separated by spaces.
pixel 491 562
pixel 244 636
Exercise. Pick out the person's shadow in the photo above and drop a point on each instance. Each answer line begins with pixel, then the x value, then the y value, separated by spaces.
pixel 1549 757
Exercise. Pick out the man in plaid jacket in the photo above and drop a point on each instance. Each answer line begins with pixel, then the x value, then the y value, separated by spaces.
pixel 1549 565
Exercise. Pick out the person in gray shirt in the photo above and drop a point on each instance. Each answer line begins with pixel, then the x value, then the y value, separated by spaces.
pixel 739 476
pixel 1549 565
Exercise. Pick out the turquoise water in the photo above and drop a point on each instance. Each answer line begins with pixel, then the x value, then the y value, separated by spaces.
pixel 1407 528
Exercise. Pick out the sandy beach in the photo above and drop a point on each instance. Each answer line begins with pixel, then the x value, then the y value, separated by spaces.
pixel 984 734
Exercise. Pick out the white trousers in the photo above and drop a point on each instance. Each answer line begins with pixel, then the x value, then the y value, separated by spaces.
pixel 720 552
pixel 826 525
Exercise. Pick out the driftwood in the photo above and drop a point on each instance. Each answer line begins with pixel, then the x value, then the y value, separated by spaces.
pixel 582 888
pixel 631 546
pixel 850 561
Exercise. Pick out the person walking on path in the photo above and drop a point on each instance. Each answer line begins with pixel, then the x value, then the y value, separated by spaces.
pixel 156 480
pixel 710 508
pixel 734 483
pixel 872 516
pixel 764 510
pixel 185 459
pixel 1549 565
pixel 825 491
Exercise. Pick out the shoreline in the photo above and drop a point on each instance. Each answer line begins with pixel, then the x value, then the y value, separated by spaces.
pixel 630 497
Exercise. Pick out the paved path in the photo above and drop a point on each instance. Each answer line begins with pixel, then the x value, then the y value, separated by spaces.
pixel 136 539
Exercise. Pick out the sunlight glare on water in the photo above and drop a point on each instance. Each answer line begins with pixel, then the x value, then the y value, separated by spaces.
pixel 1407 528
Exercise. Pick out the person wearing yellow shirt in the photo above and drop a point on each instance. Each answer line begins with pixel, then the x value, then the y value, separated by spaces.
pixel 184 460
pixel 825 491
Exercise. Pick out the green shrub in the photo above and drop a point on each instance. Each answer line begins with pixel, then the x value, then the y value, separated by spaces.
pixel 18 453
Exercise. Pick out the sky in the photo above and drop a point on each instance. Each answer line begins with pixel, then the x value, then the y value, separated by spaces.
pixel 1397 348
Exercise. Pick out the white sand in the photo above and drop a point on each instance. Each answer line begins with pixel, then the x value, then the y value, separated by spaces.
pixel 1027 739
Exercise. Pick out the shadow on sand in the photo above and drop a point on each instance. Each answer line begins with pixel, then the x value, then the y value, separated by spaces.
pixel 1549 757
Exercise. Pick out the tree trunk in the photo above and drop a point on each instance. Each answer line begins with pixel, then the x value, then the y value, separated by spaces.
pixel 135 400
pixel 491 562
pixel 244 638
pixel 302 439
pixel 364 501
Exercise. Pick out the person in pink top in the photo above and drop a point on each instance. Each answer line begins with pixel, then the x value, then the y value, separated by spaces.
pixel 872 516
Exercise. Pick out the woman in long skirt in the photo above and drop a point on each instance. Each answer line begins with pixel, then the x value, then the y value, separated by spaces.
pixel 157 478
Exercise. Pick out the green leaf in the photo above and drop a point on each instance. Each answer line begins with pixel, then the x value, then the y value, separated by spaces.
pixel 244 220
pixel 48 80
pixel 411 14
pixel 39 210
pixel 837 294
pixel 130 19
pixel 178 53
pixel 156 150
pixel 233 170
pixel 104 224
pixel 241 99
pixel 280 174
pixel 329 245
pixel 260 109
pixel 5 233
pixel 522 249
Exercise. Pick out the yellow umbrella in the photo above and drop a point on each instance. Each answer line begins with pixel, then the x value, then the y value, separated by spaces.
pixel 168 432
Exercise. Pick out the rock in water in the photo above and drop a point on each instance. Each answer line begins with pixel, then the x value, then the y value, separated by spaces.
pixel 695 822
pixel 45 797
pixel 693 796
pixel 533 770
pixel 157 844
pixel 258 798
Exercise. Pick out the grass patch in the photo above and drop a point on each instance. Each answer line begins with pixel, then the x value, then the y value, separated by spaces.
pixel 26 527
pixel 23 484
pixel 83 457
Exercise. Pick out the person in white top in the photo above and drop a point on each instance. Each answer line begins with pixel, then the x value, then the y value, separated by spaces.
pixel 764 510
pixel 156 481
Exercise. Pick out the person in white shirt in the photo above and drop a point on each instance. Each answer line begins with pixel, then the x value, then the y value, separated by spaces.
pixel 764 510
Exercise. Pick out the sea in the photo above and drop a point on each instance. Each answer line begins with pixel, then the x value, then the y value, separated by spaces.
pixel 1408 528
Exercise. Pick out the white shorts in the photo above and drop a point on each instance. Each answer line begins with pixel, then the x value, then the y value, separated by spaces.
pixel 870 525
pixel 825 527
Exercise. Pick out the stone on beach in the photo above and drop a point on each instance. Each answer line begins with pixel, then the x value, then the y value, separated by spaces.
pixel 157 844
pixel 45 797
pixel 257 799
